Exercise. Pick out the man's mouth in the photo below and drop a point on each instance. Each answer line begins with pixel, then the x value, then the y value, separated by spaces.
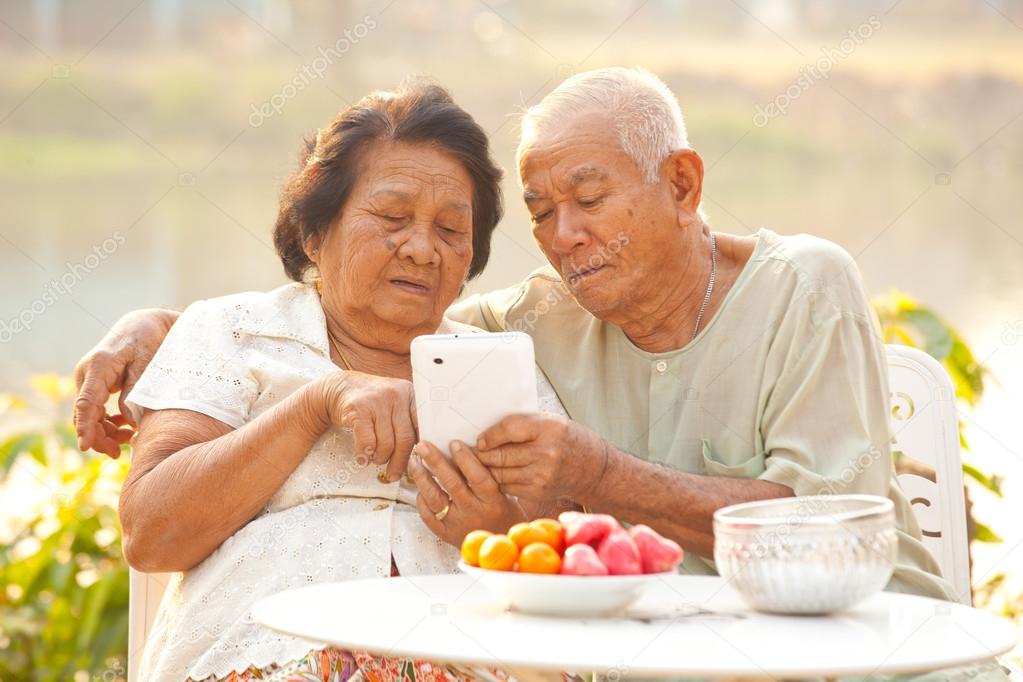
pixel 412 285
pixel 576 277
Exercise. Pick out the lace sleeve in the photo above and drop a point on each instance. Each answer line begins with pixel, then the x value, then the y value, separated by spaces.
pixel 549 401
pixel 201 366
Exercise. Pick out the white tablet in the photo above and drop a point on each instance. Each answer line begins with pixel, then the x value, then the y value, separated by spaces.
pixel 466 383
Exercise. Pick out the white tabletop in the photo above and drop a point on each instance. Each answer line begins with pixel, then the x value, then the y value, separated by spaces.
pixel 454 619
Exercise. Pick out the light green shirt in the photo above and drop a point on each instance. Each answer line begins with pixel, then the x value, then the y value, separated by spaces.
pixel 786 383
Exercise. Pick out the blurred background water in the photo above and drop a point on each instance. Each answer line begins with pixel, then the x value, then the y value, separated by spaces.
pixel 142 145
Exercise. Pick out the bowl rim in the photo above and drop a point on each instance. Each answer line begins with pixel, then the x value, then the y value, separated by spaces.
pixel 516 575
pixel 734 515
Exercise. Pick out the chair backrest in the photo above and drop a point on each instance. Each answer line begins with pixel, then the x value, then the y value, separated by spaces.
pixel 145 591
pixel 925 426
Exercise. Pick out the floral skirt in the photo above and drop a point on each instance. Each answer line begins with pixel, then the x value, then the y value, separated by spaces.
pixel 338 665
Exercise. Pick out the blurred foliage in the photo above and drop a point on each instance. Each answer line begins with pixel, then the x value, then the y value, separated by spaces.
pixel 905 321
pixel 63 581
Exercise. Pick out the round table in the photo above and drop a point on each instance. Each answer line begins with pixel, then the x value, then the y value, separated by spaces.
pixel 692 626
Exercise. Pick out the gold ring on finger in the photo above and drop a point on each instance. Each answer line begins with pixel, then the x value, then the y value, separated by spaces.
pixel 443 512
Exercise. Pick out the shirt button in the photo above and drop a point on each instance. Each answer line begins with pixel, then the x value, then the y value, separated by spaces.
pixel 661 366
pixel 381 506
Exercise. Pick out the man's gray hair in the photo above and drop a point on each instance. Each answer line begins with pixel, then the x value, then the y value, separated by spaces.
pixel 643 110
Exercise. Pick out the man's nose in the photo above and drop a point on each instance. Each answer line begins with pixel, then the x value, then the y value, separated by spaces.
pixel 570 230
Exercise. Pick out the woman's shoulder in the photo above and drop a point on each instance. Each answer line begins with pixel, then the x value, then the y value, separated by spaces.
pixel 266 304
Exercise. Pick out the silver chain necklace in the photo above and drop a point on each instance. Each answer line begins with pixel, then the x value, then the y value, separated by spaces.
pixel 710 284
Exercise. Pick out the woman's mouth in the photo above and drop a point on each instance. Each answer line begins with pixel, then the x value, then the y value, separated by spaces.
pixel 411 285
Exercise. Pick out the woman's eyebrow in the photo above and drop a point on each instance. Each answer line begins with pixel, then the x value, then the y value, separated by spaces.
pixel 457 205
pixel 393 194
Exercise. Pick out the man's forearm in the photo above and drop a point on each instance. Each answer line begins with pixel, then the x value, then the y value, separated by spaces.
pixel 678 505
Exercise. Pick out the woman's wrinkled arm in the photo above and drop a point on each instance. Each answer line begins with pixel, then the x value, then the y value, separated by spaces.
pixel 194 481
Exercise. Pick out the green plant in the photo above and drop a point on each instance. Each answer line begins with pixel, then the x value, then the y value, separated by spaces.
pixel 63 581
pixel 904 320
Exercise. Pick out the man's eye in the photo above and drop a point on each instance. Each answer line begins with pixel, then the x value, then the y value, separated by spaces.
pixel 540 217
pixel 590 202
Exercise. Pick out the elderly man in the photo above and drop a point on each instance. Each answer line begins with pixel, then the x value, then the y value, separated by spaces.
pixel 700 369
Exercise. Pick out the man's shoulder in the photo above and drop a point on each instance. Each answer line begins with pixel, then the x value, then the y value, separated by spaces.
pixel 540 295
pixel 822 273
pixel 808 256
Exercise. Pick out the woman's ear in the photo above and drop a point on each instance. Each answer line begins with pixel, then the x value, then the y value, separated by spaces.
pixel 684 169
pixel 311 246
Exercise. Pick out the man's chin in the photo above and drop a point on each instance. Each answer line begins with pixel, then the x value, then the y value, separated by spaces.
pixel 597 301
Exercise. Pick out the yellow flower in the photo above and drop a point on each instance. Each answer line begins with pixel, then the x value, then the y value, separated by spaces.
pixel 54 386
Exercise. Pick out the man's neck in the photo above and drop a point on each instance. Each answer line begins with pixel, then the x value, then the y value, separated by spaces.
pixel 666 320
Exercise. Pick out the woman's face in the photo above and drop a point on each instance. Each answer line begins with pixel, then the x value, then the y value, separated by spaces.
pixel 397 255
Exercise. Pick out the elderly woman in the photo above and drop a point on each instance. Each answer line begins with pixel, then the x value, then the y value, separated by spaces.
pixel 275 428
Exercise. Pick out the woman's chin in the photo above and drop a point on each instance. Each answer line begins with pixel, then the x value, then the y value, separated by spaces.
pixel 411 316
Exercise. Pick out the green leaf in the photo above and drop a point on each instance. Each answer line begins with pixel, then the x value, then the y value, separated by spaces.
pixel 992 483
pixel 936 336
pixel 12 448
pixel 68 436
pixel 985 534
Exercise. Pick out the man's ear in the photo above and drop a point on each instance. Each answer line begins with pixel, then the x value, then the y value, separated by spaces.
pixel 684 169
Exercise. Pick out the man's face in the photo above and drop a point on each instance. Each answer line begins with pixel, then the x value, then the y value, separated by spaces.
pixel 613 238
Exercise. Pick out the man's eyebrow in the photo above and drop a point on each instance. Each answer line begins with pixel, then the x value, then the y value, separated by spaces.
pixel 530 195
pixel 589 173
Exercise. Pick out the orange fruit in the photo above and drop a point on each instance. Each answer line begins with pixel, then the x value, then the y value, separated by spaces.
pixel 498 553
pixel 539 557
pixel 471 546
pixel 553 533
pixel 525 533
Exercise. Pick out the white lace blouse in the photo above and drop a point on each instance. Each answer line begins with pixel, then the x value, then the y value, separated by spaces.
pixel 233 358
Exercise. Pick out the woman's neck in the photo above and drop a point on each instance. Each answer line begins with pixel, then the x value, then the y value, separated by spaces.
pixel 364 350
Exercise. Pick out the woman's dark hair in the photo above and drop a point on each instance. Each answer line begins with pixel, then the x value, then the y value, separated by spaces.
pixel 313 195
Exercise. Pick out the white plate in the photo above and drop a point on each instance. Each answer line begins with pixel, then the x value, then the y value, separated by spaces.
pixel 563 595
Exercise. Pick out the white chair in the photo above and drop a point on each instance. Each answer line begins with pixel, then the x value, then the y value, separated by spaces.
pixel 145 591
pixel 926 428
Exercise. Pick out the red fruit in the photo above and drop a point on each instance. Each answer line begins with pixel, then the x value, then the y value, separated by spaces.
pixel 587 529
pixel 656 552
pixel 619 553
pixel 582 560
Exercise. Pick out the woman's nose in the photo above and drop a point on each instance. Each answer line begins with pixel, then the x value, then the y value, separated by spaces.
pixel 420 246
